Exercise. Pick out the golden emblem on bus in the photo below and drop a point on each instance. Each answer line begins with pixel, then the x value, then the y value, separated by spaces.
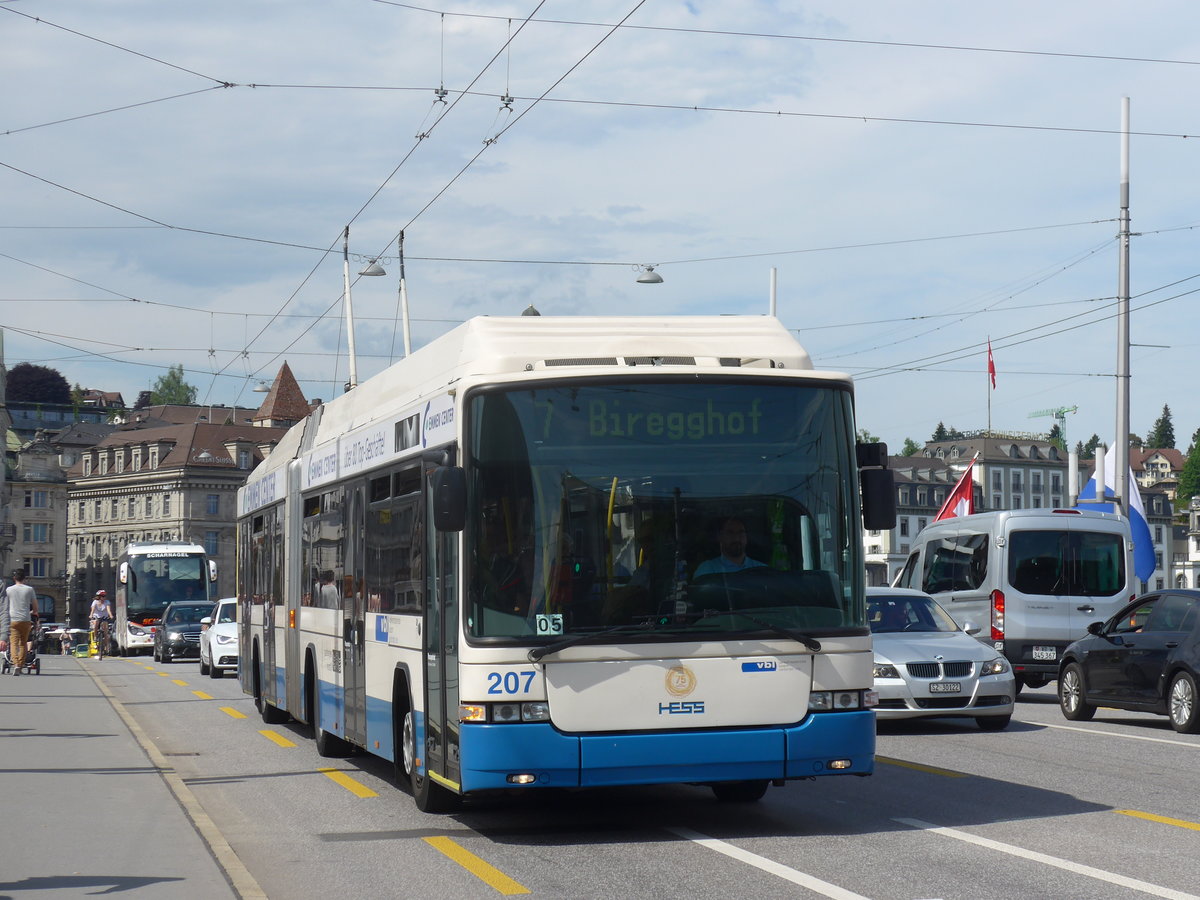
pixel 681 681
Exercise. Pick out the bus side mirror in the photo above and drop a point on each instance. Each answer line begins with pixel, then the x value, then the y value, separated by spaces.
pixel 449 498
pixel 212 570
pixel 878 499
pixel 123 573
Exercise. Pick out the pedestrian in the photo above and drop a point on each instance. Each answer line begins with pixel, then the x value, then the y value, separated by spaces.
pixel 16 618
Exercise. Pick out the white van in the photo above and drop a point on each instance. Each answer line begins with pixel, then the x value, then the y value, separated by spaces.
pixel 1038 577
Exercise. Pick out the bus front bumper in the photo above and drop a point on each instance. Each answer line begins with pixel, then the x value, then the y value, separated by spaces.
pixel 493 755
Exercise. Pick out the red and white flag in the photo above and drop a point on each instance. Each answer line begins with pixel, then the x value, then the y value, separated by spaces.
pixel 991 364
pixel 961 500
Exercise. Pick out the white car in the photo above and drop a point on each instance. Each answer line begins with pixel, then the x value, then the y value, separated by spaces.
pixel 219 641
pixel 926 666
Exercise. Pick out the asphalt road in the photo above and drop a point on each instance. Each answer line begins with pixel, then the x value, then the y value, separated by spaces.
pixel 1048 808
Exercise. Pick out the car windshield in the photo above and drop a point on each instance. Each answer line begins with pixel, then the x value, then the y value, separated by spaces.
pixel 891 614
pixel 187 615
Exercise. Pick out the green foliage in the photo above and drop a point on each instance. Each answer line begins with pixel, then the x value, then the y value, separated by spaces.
pixel 911 448
pixel 1189 477
pixel 1088 450
pixel 1057 439
pixel 29 383
pixel 1163 433
pixel 940 433
pixel 172 389
pixel 865 437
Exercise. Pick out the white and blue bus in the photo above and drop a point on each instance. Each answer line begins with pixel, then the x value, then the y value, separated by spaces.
pixel 492 564
pixel 151 575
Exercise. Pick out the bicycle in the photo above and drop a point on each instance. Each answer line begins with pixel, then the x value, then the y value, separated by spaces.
pixel 100 636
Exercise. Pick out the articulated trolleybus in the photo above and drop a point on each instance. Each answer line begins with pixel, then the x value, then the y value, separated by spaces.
pixel 150 575
pixel 573 552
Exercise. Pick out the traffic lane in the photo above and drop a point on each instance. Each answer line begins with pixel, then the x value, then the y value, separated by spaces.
pixel 84 810
pixel 1120 802
pixel 571 843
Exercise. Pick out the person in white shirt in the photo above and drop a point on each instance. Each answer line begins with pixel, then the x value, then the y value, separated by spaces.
pixel 17 609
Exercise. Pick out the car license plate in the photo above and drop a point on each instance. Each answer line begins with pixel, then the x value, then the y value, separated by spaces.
pixel 945 687
pixel 1045 653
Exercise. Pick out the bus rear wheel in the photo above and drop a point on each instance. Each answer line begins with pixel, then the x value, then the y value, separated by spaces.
pixel 271 715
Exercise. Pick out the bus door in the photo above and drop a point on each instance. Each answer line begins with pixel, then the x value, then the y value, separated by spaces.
pixel 271 600
pixel 354 672
pixel 440 632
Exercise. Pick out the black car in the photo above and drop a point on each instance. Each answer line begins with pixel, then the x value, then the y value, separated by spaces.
pixel 178 634
pixel 1146 658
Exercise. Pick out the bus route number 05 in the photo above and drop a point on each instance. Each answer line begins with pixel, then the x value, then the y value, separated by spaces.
pixel 549 625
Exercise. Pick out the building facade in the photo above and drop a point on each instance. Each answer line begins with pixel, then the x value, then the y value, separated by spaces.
pixel 148 482
pixel 38 515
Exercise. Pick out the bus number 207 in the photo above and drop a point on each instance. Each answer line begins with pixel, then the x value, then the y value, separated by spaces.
pixel 509 682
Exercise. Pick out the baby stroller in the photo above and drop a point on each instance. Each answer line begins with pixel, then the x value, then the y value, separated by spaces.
pixel 33 665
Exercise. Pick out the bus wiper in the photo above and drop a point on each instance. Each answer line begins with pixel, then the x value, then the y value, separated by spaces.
pixel 537 653
pixel 798 636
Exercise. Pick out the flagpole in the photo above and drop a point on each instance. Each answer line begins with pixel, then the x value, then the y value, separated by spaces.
pixel 987 385
pixel 1121 485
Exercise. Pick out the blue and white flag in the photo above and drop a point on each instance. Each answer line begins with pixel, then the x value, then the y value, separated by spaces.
pixel 1143 543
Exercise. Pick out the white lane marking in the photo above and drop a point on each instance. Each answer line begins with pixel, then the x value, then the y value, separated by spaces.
pixel 1078 868
pixel 1127 737
pixel 768 865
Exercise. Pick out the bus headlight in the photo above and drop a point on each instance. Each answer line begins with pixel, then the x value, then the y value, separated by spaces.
pixel 833 701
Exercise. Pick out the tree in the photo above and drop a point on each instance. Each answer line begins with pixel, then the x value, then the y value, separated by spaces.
pixel 865 437
pixel 1135 441
pixel 172 389
pixel 1189 476
pixel 1163 433
pixel 940 433
pixel 1056 438
pixel 29 383
pixel 1089 449
pixel 1194 444
pixel 911 447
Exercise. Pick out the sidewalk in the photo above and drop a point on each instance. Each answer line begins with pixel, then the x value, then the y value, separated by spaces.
pixel 83 810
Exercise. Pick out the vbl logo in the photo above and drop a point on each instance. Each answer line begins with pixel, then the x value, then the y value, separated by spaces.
pixel 681 708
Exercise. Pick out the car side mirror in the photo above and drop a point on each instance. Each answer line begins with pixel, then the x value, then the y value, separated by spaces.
pixel 1096 628
pixel 207 620
pixel 971 628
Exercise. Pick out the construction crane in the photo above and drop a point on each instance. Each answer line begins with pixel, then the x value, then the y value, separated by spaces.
pixel 1060 416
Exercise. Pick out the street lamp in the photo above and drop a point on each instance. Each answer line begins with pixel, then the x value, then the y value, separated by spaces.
pixel 372 268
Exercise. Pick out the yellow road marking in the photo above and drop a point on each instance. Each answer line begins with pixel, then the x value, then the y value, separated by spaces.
pixel 230 711
pixel 1165 820
pixel 484 871
pixel 163 674
pixel 179 682
pixel 202 695
pixel 931 770
pixel 354 787
pixel 276 737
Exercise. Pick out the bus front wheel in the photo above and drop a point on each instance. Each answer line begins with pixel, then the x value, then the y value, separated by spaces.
pixel 429 796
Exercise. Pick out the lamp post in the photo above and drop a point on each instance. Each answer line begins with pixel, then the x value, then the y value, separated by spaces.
pixel 349 308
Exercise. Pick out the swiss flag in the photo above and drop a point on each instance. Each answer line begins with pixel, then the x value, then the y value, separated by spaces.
pixel 991 365
pixel 961 500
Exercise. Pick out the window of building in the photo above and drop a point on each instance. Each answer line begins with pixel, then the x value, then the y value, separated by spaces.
pixel 120 462
pixel 211 540
pixel 1035 482
pixel 37 499
pixel 87 465
pixel 82 510
pixel 166 504
pixel 1158 534
pixel 97 511
pixel 37 566
pixel 243 459
pixel 104 463
pixel 997 501
pixel 997 480
pixel 922 496
pixel 1016 501
pixel 113 508
pixel 213 504
pixel 1016 481
pixel 904 496
pixel 132 513
pixel 1158 584
pixel 1055 483
pixel 137 459
pixel 153 460
pixel 904 526
pixel 36 532
pixel 1158 560
pixel 1037 501
pixel 921 523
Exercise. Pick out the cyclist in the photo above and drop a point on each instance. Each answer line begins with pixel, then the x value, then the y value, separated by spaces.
pixel 100 615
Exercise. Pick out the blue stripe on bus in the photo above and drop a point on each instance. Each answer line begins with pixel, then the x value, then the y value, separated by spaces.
pixel 492 752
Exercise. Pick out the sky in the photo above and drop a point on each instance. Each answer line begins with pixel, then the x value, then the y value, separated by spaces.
pixel 176 179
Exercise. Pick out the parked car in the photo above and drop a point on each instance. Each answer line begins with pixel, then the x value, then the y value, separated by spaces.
pixel 178 635
pixel 1146 658
pixel 927 666
pixel 219 641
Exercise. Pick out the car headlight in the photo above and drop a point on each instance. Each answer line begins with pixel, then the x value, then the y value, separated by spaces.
pixel 226 639
pixel 884 670
pixel 997 666
pixel 136 629
pixel 174 636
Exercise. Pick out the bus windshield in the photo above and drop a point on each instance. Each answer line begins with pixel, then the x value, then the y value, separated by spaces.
pixel 678 507
pixel 155 581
